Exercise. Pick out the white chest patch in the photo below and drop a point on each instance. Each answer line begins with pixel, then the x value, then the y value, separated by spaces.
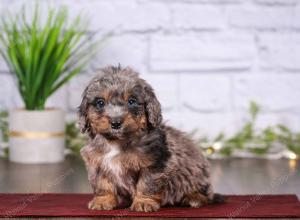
pixel 111 165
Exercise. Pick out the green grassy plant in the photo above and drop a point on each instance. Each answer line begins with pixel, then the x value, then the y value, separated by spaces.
pixel 45 56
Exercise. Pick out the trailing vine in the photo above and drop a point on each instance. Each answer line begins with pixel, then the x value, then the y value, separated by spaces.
pixel 247 139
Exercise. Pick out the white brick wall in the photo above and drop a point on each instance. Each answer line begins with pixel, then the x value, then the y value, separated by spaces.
pixel 206 59
pixel 276 92
pixel 201 52
pixel 204 93
pixel 280 51
pixel 261 17
pixel 190 16
pixel 125 48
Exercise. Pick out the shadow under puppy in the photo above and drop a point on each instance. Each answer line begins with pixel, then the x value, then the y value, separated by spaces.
pixel 131 156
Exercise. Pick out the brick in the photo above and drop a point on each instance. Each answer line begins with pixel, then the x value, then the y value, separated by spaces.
pixel 296 17
pixel 75 89
pixel 206 52
pixel 102 15
pixel 279 51
pixel 276 2
pixel 260 17
pixel 128 50
pixel 14 7
pixel 144 16
pixel 189 16
pixel 208 124
pixel 165 87
pixel 221 2
pixel 127 15
pixel 172 118
pixel 274 92
pixel 3 66
pixel 9 94
pixel 205 93
pixel 59 99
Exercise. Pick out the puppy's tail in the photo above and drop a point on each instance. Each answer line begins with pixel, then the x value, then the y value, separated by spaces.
pixel 217 199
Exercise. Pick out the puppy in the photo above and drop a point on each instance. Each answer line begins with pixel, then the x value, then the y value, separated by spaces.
pixel 133 158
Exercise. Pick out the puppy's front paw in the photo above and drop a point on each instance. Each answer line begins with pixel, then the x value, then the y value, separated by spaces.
pixel 144 205
pixel 105 202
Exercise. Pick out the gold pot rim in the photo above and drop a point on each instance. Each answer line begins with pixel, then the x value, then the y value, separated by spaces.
pixel 36 134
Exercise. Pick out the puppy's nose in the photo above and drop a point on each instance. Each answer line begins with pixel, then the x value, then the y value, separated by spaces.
pixel 116 123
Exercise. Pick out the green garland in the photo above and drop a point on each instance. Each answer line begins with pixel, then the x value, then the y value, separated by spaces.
pixel 262 140
pixel 4 130
pixel 74 139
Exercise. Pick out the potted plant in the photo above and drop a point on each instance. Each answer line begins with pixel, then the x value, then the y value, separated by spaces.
pixel 42 56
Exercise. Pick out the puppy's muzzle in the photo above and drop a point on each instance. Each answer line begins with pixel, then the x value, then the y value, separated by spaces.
pixel 116 123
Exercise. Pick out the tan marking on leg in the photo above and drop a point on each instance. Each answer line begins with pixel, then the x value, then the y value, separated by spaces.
pixel 105 198
pixel 103 202
pixel 146 203
pixel 194 200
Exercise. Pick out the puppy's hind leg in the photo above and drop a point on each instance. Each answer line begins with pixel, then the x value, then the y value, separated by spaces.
pixel 203 197
pixel 194 200
pixel 146 203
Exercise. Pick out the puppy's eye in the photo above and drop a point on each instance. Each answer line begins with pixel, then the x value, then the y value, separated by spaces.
pixel 131 102
pixel 100 103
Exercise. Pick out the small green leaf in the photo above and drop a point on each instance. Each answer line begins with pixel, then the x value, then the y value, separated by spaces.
pixel 254 109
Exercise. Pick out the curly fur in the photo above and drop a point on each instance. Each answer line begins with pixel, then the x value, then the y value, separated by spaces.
pixel 144 164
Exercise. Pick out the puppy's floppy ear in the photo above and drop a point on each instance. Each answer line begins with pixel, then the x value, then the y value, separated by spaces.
pixel 152 106
pixel 82 112
pixel 84 123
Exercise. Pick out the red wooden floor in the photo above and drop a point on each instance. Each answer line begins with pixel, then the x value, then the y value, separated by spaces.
pixel 75 205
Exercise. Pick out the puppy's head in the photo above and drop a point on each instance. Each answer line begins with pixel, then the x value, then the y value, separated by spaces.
pixel 118 104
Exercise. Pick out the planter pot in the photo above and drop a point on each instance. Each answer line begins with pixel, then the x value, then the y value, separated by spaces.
pixel 36 136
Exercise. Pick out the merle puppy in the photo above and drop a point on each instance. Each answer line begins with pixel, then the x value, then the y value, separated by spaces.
pixel 132 157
